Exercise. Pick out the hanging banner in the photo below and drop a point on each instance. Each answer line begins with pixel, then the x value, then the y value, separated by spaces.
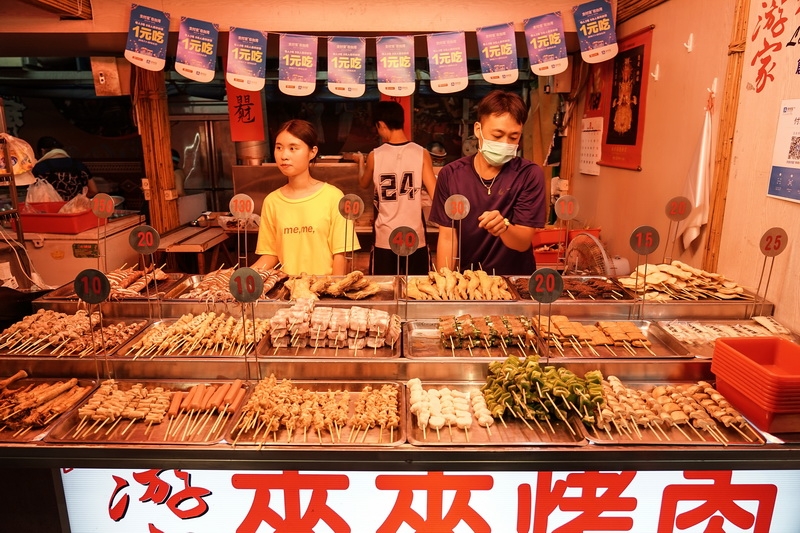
pixel 783 179
pixel 447 58
pixel 147 38
pixel 622 96
pixel 497 47
pixel 246 114
pixel 597 33
pixel 196 56
pixel 395 59
pixel 547 46
pixel 247 50
pixel 346 70
pixel 297 70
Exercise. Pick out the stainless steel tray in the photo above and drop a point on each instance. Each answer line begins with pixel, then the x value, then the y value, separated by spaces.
pixel 609 289
pixel 686 436
pixel 178 291
pixel 12 431
pixel 331 436
pixel 157 288
pixel 421 339
pixel 388 291
pixel 402 293
pixel 187 428
pixel 509 432
pixel 703 341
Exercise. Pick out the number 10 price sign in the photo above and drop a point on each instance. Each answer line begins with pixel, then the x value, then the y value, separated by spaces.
pixel 246 286
pixel 93 287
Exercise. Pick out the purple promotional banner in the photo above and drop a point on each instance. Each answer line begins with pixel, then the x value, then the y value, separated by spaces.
pixel 395 58
pixel 196 56
pixel 447 58
pixel 596 30
pixel 498 52
pixel 148 30
pixel 297 71
pixel 346 70
pixel 547 47
pixel 246 65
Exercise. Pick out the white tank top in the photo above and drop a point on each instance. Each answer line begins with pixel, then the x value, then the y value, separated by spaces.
pixel 398 185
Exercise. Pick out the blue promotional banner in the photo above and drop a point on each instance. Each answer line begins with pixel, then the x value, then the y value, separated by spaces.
pixel 346 70
pixel 498 52
pixel 148 30
pixel 547 47
pixel 395 58
pixel 247 50
pixel 447 58
pixel 596 30
pixel 297 70
pixel 196 56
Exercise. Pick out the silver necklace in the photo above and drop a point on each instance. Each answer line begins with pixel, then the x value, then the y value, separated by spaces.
pixel 491 183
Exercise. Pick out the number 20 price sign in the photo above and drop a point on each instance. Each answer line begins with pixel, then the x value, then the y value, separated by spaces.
pixel 546 285
pixel 144 239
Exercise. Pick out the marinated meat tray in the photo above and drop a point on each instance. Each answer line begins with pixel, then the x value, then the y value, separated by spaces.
pixel 153 412
pixel 354 286
pixel 49 333
pixel 215 287
pixel 583 288
pixel 685 414
pixel 160 285
pixel 427 339
pixel 204 334
pixel 312 413
pixel 468 424
pixel 471 285
pixel 699 336
pixel 30 407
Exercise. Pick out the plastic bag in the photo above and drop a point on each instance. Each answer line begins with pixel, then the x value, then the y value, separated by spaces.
pixel 20 152
pixel 252 222
pixel 78 204
pixel 42 191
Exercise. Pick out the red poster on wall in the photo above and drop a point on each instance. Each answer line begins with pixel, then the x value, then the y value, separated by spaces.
pixel 246 114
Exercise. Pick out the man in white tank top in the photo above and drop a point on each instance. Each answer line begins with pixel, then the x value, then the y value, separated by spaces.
pixel 397 171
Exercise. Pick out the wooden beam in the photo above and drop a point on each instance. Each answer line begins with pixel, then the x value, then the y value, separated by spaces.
pixel 73 9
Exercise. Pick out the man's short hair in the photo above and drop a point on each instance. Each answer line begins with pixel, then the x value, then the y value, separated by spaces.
pixel 48 143
pixel 500 102
pixel 390 113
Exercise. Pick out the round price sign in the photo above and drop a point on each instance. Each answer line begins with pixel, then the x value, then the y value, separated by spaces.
pixel 546 285
pixel 351 206
pixel 102 205
pixel 144 239
pixel 457 207
pixel 678 208
pixel 241 206
pixel 773 242
pixel 403 241
pixel 246 285
pixel 567 207
pixel 645 240
pixel 92 286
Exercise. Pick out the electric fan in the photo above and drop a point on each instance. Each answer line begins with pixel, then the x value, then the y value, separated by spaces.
pixel 586 256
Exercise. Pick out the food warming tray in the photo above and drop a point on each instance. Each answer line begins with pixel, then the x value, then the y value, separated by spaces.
pixel 612 289
pixel 344 437
pixel 421 340
pixel 513 432
pixel 388 291
pixel 129 350
pixel 190 282
pixel 402 293
pixel 162 288
pixel 700 335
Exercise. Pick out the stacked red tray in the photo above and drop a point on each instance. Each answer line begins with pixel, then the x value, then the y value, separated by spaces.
pixel 760 376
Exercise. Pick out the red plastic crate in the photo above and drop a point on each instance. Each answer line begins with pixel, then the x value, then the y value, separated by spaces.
pixel 782 395
pixel 771 361
pixel 49 220
pixel 763 419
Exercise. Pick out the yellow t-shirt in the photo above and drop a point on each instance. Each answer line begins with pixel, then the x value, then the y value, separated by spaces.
pixel 305 233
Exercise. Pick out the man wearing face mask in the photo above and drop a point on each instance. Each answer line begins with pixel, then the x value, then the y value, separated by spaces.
pixel 506 196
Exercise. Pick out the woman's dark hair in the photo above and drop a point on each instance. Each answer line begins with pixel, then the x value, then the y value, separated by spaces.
pixel 47 144
pixel 302 129
pixel 499 102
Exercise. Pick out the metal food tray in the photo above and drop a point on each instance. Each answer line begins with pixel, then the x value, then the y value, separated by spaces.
pixel 421 339
pixel 347 436
pixel 37 434
pixel 511 432
pixel 124 431
pixel 402 293
pixel 265 349
pixel 48 351
pixel 389 290
pixel 157 288
pixel 674 436
pixel 127 349
pixel 520 284
pixel 706 348
pixel 662 345
pixel 190 282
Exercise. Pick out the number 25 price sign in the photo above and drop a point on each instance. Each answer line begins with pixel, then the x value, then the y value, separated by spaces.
pixel 772 243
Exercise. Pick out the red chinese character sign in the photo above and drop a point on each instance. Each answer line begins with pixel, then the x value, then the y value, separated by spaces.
pixel 146 46
pixel 246 113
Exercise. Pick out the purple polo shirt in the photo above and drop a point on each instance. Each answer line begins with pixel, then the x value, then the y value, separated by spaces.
pixel 518 194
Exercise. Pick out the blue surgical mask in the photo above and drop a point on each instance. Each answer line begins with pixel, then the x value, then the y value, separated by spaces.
pixel 497 153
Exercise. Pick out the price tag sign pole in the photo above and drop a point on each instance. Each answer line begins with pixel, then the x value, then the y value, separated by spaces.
pixel 103 208
pixel 144 240
pixel 246 286
pixel 773 242
pixel 644 241
pixel 677 209
pixel 404 241
pixel 92 286
pixel 566 209
pixel 457 208
pixel 546 286
pixel 241 207
pixel 351 206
